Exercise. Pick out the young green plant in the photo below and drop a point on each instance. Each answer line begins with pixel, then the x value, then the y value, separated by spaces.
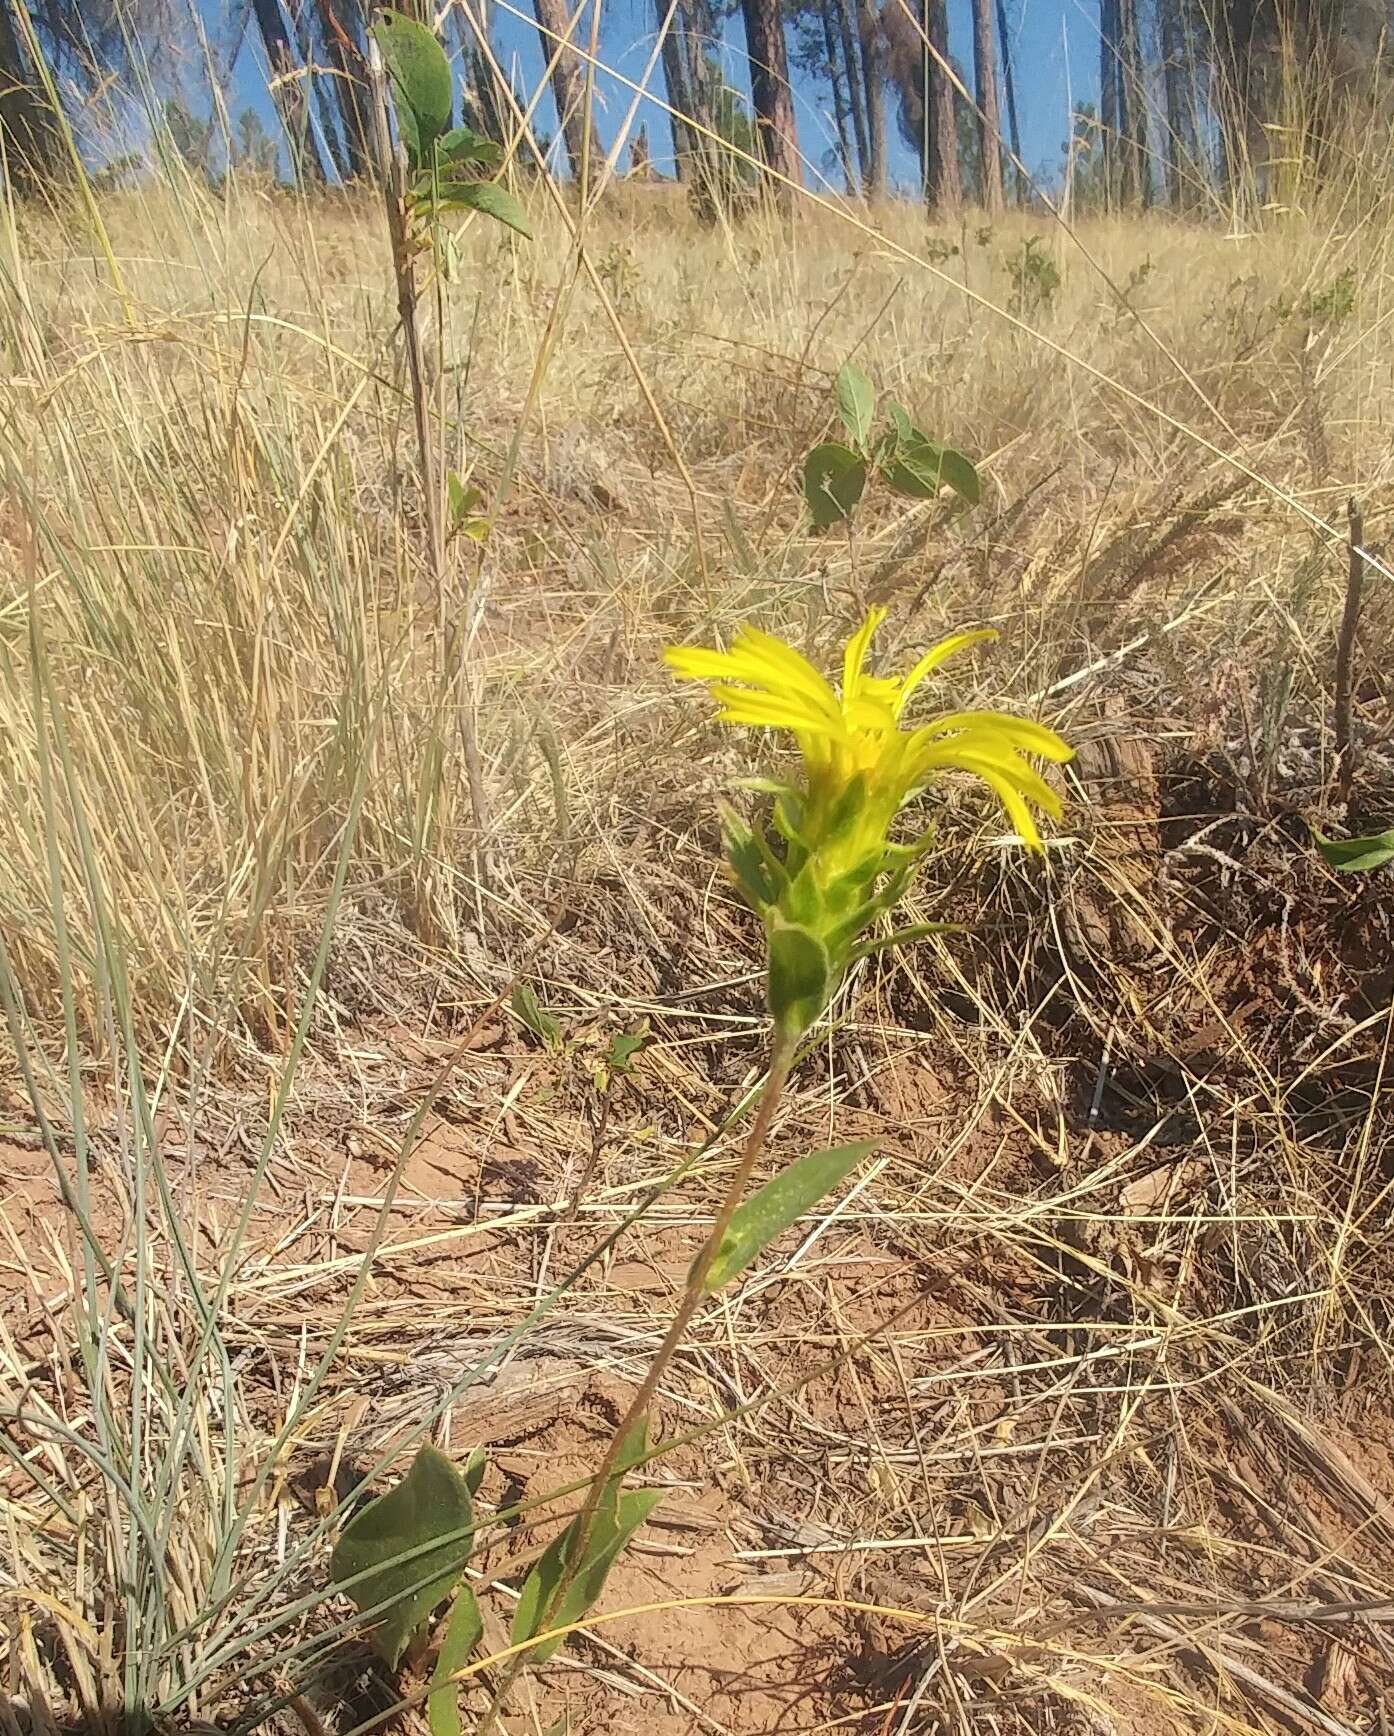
pixel 836 473
pixel 820 886
pixel 437 168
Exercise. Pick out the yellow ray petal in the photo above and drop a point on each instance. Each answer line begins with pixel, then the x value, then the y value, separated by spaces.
pixel 855 654
pixel 1023 734
pixel 873 716
pixel 781 666
pixel 938 654
pixel 769 710
pixel 980 759
pixel 696 663
pixel 1017 811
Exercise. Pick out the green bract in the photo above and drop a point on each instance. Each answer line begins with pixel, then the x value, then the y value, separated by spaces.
pixel 831 870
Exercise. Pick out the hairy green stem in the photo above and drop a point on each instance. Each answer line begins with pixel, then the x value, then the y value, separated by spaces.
pixel 781 1060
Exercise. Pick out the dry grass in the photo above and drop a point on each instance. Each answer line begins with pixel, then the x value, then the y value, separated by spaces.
pixel 1087 1375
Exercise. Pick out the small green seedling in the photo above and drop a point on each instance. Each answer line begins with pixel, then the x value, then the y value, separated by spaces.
pixel 545 1026
pixel 465 501
pixel 835 474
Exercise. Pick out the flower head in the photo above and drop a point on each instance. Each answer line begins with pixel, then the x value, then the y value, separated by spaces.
pixel 860 768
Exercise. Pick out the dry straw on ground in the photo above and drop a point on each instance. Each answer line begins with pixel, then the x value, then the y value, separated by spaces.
pixel 1074 1413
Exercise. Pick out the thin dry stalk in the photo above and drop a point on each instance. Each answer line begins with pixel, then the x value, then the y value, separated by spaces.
pixel 1346 752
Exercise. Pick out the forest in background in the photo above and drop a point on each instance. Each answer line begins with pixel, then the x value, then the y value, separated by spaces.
pixel 1214 106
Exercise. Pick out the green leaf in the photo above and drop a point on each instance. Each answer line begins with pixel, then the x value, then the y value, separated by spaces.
pixel 447 255
pixel 538 1020
pixel 848 810
pixel 464 145
pixel 624 1047
pixel 489 197
pixel 428 1519
pixel 421 83
pixel 464 501
pixel 618 1058
pixel 1356 855
pixel 775 1206
pixel 475 1466
pixel 921 471
pixel 616 1521
pixel 633 1448
pixel 919 467
pixel 464 1628
pixel 747 861
pixel 800 977
pixel 748 870
pixel 960 474
pixel 903 937
pixel 924 471
pixel 856 403
pixel 833 480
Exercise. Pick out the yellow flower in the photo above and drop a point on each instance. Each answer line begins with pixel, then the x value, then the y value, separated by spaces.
pixel 761 681
pixel 838 870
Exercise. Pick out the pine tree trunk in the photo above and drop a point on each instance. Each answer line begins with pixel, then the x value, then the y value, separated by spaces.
pixel 1009 79
pixel 771 95
pixel 27 125
pixel 321 94
pixel 989 120
pixel 856 90
pixel 839 92
pixel 289 92
pixel 342 24
pixel 1133 107
pixel 1110 66
pixel 1179 154
pixel 485 99
pixel 1233 30
pixel 568 86
pixel 679 91
pixel 874 89
pixel 944 185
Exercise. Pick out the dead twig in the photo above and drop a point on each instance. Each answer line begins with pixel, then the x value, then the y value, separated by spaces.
pixel 1345 650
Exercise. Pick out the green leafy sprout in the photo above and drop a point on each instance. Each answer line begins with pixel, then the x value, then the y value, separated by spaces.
pixel 836 472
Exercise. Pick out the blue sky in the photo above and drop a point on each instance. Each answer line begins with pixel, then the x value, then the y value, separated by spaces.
pixel 1055 43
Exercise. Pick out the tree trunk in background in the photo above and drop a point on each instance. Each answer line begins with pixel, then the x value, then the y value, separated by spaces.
pixel 989 120
pixel 27 124
pixel 568 86
pixel 1133 107
pixel 944 186
pixel 771 96
pixel 679 90
pixel 486 101
pixel 342 24
pixel 924 144
pixel 839 91
pixel 288 92
pixel 1009 79
pixel 874 94
pixel 1233 31
pixel 320 84
pixel 856 89
pixel 1110 67
pixel 1180 155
